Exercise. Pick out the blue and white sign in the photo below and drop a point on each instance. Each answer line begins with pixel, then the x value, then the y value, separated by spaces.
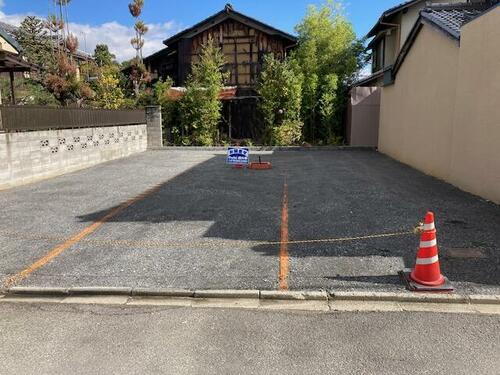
pixel 237 155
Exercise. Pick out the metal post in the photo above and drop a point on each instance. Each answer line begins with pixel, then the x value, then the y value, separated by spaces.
pixel 12 91
pixel 229 119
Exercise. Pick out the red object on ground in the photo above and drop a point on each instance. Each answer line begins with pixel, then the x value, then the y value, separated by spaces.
pixel 239 166
pixel 427 270
pixel 226 93
pixel 260 166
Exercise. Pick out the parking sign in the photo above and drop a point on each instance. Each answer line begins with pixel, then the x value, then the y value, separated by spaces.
pixel 237 155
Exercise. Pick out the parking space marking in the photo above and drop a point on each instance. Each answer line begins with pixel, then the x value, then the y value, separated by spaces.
pixel 284 258
pixel 59 249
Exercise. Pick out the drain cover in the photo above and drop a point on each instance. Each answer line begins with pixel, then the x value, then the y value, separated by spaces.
pixel 466 253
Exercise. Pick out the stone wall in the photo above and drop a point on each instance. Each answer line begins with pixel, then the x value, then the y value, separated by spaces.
pixel 26 157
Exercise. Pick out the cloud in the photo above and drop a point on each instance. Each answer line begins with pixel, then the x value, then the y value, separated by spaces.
pixel 117 36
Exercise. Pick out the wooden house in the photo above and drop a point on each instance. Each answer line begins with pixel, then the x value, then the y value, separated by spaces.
pixel 243 40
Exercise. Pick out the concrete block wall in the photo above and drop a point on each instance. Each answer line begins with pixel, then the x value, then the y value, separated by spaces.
pixel 27 157
pixel 154 122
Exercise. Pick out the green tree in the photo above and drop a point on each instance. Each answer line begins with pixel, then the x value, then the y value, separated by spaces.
pixel 108 93
pixel 280 91
pixel 37 47
pixel 200 106
pixel 102 56
pixel 170 108
pixel 328 56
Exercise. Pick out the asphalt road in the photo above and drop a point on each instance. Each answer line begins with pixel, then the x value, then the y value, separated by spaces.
pixel 197 223
pixel 57 339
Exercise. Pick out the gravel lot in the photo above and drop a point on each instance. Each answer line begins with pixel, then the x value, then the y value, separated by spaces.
pixel 206 225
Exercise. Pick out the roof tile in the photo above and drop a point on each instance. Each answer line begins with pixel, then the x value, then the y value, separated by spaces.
pixel 451 17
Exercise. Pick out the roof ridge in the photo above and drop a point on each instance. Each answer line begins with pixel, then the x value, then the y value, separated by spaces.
pixel 457 6
pixel 228 11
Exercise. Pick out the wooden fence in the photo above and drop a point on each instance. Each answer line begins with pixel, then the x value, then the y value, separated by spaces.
pixel 42 118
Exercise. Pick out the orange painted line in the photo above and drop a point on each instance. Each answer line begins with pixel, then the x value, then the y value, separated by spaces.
pixel 284 258
pixel 59 249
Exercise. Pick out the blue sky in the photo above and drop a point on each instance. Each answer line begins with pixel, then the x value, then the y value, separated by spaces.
pixel 109 21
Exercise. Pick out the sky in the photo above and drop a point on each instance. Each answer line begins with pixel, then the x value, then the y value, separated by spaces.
pixel 109 21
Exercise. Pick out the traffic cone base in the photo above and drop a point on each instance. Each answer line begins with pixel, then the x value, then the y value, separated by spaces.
pixel 413 286
pixel 437 282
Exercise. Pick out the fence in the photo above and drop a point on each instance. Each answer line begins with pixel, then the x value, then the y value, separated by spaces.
pixel 42 118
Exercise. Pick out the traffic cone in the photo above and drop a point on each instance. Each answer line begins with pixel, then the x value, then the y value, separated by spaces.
pixel 426 276
pixel 427 270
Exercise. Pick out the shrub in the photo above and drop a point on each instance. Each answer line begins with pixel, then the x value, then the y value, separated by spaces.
pixel 109 94
pixel 200 106
pixel 280 90
pixel 288 133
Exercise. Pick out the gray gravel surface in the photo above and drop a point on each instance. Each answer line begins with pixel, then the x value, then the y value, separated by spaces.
pixel 202 229
pixel 56 339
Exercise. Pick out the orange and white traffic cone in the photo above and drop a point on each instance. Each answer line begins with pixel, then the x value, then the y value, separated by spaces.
pixel 426 276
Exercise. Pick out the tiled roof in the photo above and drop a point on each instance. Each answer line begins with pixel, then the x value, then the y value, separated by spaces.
pixel 229 11
pixel 451 17
pixel 7 31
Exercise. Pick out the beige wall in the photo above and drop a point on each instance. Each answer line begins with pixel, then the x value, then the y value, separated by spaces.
pixel 442 115
pixel 363 114
pixel 476 138
pixel 416 113
pixel 6 46
pixel 408 20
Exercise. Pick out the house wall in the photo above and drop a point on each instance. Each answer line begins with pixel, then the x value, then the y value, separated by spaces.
pixel 408 20
pixel 363 116
pixel 442 114
pixel 244 48
pixel 396 37
pixel 416 113
pixel 6 46
pixel 475 163
pixel 391 46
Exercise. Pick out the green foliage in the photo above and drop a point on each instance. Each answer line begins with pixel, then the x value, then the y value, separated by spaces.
pixel 288 133
pixel 28 92
pixel 139 76
pixel 200 106
pixel 280 90
pixel 170 109
pixel 328 57
pixel 109 94
pixel 102 56
pixel 36 44
pixel 59 75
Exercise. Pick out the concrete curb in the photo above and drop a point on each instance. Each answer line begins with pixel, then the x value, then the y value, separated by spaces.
pixel 317 295
pixel 294 295
pixel 400 297
pixel 254 294
pixel 145 292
